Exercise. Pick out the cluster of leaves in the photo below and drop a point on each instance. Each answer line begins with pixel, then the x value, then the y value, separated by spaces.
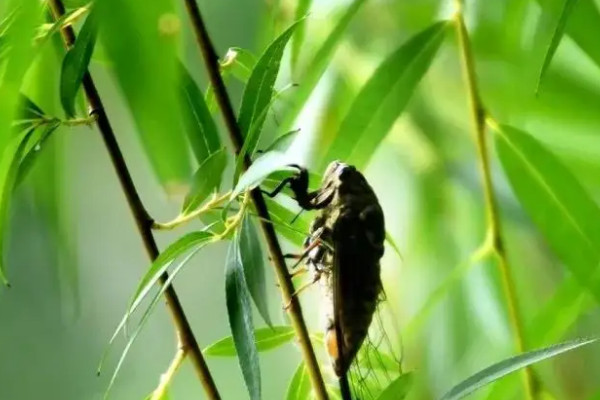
pixel 172 121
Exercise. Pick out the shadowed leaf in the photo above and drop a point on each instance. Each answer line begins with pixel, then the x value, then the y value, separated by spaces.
pixel 206 180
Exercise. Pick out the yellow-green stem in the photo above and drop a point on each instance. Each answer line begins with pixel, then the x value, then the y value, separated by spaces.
pixel 187 217
pixel 478 115
pixel 165 380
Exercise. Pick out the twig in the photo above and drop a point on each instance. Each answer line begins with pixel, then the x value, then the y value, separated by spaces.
pixel 285 282
pixel 142 219
pixel 478 115
pixel 165 380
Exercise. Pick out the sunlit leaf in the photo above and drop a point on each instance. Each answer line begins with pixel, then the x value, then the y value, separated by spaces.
pixel 47 30
pixel 260 87
pixel 239 63
pixel 206 180
pixel 556 36
pixel 75 63
pixel 200 126
pixel 265 338
pixel 282 142
pixel 383 98
pixel 239 311
pixel 318 64
pixel 260 169
pixel 141 43
pixel 398 389
pixel 299 387
pixel 254 267
pixel 555 200
pixel 503 368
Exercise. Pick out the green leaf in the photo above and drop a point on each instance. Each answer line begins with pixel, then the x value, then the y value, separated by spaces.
pixel 9 166
pixel 282 142
pixel 583 23
pixel 260 169
pixel 155 300
pixel 319 63
pixel 383 98
pixel 282 218
pixel 259 89
pixel 206 180
pixel 398 389
pixel 301 11
pixel 200 127
pixel 559 29
pixel 141 43
pixel 75 63
pixel 239 312
pixel 162 262
pixel 555 200
pixel 239 63
pixel 254 267
pixel 46 31
pixel 32 152
pixel 299 387
pixel 265 339
pixel 503 368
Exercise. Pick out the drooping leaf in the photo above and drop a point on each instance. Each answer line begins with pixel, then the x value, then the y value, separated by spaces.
pixel 254 267
pixel 299 387
pixel 206 180
pixel 75 63
pixel 9 166
pixel 383 98
pixel 398 389
pixel 239 311
pixel 200 127
pixel 505 367
pixel 265 338
pixel 141 43
pixel 583 23
pixel 33 151
pixel 319 62
pixel 155 300
pixel 260 169
pixel 556 202
pixel 260 87
pixel 162 262
pixel 556 37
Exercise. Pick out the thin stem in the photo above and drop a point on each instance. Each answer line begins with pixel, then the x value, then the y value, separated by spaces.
pixel 166 379
pixel 478 115
pixel 285 282
pixel 142 219
pixel 187 217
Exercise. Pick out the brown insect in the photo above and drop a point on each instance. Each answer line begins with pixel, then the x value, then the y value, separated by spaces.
pixel 342 252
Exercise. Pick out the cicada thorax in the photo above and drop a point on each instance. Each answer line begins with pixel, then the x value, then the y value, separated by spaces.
pixel 351 229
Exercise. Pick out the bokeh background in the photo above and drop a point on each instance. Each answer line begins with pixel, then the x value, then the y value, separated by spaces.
pixel 74 257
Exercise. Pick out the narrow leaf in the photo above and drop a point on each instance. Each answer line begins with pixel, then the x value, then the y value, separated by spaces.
pixel 265 339
pixel 259 90
pixel 301 10
pixel 398 389
pixel 9 166
pixel 383 98
pixel 32 153
pixel 239 63
pixel 299 387
pixel 75 64
pixel 503 368
pixel 162 262
pixel 556 202
pixel 282 218
pixel 239 312
pixel 200 127
pixel 282 142
pixel 254 267
pixel 260 169
pixel 318 64
pixel 206 180
pixel 556 37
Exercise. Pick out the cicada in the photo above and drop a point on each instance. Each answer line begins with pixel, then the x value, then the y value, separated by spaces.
pixel 342 252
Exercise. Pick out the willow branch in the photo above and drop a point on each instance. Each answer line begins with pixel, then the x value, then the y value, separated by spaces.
pixel 143 221
pixel 478 115
pixel 211 61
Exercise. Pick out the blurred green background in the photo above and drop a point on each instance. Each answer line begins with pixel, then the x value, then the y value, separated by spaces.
pixel 74 257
